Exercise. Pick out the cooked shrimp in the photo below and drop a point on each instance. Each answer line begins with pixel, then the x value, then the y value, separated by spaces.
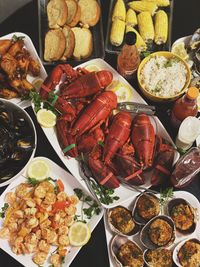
pixel 46 207
pixel 30 203
pixel 30 211
pixel 38 234
pixel 4 233
pixel 50 198
pixel 42 216
pixel 74 200
pixel 45 224
pixel 19 214
pixel 40 257
pixel 31 239
pixel 30 248
pixel 43 246
pixel 47 186
pixel 63 240
pixel 45 232
pixel 69 220
pixel 22 190
pixel 37 200
pixel 56 260
pixel 39 192
pixel 63 230
pixel 18 245
pixel 62 196
pixel 51 237
pixel 71 210
pixel 10 198
pixel 57 217
pixel 12 227
pixel 32 222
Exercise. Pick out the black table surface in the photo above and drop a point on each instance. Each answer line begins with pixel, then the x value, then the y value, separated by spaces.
pixel 186 20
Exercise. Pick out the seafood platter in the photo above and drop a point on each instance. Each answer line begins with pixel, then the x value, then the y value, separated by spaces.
pixel 150 20
pixel 20 68
pixel 18 141
pixel 39 216
pixel 82 152
pixel 158 229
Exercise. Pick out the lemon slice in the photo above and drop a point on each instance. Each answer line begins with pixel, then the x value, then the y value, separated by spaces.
pixel 198 102
pixel 37 83
pixel 123 91
pixel 46 118
pixel 179 49
pixel 79 234
pixel 38 169
pixel 92 67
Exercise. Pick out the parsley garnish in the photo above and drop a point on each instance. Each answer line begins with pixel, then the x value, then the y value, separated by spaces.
pixel 165 195
pixel 16 38
pixel 34 182
pixel 3 210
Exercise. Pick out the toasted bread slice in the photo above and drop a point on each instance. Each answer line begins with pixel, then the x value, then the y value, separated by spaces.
pixel 70 42
pixel 83 43
pixel 90 12
pixel 54 45
pixel 72 8
pixel 57 13
pixel 76 18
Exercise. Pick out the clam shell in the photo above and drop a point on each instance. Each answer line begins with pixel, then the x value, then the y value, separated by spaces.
pixel 136 215
pixel 113 228
pixel 115 245
pixel 144 234
pixel 146 260
pixel 178 247
pixel 177 201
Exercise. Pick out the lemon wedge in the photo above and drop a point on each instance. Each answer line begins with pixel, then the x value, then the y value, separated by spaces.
pixel 37 83
pixel 179 50
pixel 46 118
pixel 198 102
pixel 38 169
pixel 124 92
pixel 92 67
pixel 79 234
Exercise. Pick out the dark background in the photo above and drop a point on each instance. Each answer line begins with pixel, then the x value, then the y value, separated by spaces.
pixel 186 19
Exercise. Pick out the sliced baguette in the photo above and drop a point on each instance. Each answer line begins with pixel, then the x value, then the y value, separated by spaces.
pixel 90 12
pixel 69 44
pixel 76 18
pixel 83 43
pixel 54 45
pixel 57 13
pixel 72 8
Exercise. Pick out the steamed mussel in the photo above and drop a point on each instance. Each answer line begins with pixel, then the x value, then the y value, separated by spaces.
pixel 17 141
pixel 194 50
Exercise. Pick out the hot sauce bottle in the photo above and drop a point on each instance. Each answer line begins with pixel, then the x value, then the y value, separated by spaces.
pixel 129 59
pixel 184 107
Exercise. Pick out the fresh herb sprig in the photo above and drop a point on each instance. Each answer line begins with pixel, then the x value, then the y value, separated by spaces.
pixel 16 38
pixel 93 208
pixel 3 210
pixel 34 182
pixel 165 195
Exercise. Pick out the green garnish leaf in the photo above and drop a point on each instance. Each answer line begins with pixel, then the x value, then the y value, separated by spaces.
pixel 3 210
pixel 145 54
pixel 165 195
pixel 16 38
pixel 100 143
pixel 33 181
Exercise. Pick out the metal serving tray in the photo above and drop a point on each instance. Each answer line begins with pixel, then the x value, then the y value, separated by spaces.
pixel 97 34
pixel 116 49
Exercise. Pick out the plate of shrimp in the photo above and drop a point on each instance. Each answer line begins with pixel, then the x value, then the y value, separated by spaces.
pixel 36 217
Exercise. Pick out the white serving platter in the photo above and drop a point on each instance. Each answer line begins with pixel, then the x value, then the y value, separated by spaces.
pixel 31 48
pixel 72 164
pixel 70 183
pixel 192 200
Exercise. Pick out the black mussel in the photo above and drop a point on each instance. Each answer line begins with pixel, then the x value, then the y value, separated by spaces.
pixel 19 157
pixel 26 143
pixel 183 215
pixel 7 173
pixel 195 40
pixel 6 145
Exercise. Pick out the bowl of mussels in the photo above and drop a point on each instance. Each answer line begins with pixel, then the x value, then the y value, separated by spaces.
pixel 17 141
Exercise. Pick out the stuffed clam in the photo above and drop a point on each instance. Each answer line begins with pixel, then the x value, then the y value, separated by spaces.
pixel 161 257
pixel 183 215
pixel 146 207
pixel 126 252
pixel 158 232
pixel 121 222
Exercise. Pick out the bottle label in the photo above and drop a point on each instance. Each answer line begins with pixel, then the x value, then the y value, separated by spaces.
pixel 175 122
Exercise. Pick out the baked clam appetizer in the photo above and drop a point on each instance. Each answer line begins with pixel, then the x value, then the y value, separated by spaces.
pixel 121 222
pixel 161 257
pixel 126 252
pixel 146 207
pixel 158 232
pixel 188 255
pixel 183 215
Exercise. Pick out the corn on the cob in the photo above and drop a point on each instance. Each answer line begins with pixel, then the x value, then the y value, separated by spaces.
pixel 117 32
pixel 161 27
pixel 159 2
pixel 140 43
pixel 119 11
pixel 145 25
pixel 131 18
pixel 140 6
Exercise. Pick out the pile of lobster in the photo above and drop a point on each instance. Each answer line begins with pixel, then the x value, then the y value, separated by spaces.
pixel 113 145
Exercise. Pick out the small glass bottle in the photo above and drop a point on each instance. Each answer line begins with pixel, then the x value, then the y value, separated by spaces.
pixel 129 59
pixel 184 107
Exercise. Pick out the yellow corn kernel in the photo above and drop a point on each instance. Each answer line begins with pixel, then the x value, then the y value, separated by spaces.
pixel 161 27
pixel 141 6
pixel 159 2
pixel 119 11
pixel 145 25
pixel 140 43
pixel 131 18
pixel 117 32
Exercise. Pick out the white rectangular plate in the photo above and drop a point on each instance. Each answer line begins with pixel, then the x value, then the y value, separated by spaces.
pixel 192 200
pixel 70 183
pixel 72 164
pixel 31 48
